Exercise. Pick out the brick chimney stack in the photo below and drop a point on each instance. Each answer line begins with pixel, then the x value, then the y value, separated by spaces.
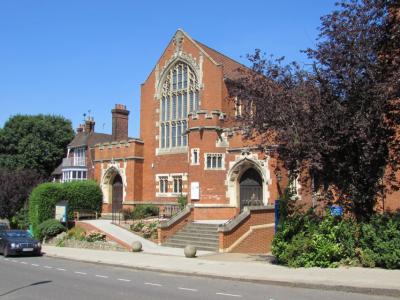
pixel 120 122
pixel 89 125
pixel 80 128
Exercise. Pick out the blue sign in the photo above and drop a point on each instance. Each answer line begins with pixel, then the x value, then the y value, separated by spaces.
pixel 336 210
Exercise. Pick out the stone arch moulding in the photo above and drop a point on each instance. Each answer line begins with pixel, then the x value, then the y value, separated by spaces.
pixel 176 58
pixel 236 169
pixel 108 173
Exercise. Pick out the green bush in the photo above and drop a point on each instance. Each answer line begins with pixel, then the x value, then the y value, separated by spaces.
pixel 182 202
pixel 137 226
pixel 95 237
pixel 79 194
pixel 145 210
pixel 76 233
pixel 380 241
pixel 50 228
pixel 21 219
pixel 308 240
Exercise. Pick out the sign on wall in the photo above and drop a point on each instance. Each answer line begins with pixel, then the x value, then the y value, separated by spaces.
pixel 61 211
pixel 195 190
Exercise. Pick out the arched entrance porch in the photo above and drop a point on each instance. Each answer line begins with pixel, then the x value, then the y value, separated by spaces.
pixel 247 181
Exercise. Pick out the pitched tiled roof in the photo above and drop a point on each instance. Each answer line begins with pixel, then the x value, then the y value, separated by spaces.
pixel 230 66
pixel 89 139
pixel 57 171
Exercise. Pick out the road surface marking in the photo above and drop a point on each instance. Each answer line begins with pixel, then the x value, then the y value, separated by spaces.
pixel 59 269
pixel 229 295
pixel 48 267
pixel 187 289
pixel 23 262
pixel 101 276
pixel 35 265
pixel 122 279
pixel 6 259
pixel 80 273
pixel 14 260
pixel 153 284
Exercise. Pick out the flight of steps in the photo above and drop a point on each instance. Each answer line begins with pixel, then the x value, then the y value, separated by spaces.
pixel 202 236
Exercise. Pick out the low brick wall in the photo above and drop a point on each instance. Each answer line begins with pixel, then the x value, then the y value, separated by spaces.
pixel 250 232
pixel 169 228
pixel 88 227
pixel 214 213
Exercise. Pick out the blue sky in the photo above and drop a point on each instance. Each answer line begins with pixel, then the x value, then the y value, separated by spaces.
pixel 69 57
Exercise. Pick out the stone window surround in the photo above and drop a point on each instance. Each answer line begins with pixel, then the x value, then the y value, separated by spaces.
pixel 214 154
pixel 192 151
pixel 170 177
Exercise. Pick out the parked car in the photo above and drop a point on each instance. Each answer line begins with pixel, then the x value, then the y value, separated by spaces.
pixel 17 242
pixel 4 226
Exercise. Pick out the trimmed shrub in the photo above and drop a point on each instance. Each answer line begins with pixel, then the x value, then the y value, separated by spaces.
pixel 50 228
pixel 42 202
pixel 145 210
pixel 79 194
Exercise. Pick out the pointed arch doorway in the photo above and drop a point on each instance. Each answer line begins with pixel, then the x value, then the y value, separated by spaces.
pixel 116 196
pixel 251 191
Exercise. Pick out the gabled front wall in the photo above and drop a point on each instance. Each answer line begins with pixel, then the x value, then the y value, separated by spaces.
pixel 208 131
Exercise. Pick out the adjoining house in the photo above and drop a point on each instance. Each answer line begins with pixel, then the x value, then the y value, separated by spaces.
pixel 190 145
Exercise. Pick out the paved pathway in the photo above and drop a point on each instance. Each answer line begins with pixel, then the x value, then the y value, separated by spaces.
pixel 129 237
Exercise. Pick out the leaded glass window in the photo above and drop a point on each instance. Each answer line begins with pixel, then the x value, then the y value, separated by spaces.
pixel 180 96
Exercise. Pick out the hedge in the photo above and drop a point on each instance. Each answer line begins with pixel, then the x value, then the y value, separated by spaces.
pixel 79 194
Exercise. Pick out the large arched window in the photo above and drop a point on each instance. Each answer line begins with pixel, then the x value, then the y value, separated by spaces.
pixel 180 96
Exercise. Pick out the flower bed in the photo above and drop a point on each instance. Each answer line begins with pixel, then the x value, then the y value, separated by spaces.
pixel 78 238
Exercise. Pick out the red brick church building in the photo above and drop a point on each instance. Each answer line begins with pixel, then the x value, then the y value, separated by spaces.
pixel 189 143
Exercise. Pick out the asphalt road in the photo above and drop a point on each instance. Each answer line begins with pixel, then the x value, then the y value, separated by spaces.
pixel 50 278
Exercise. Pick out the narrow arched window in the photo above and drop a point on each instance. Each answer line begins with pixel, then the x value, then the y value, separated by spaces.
pixel 180 96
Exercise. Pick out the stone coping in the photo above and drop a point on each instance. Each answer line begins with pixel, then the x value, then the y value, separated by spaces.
pixel 230 225
pixel 176 218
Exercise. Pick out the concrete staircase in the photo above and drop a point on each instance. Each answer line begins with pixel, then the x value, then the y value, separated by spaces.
pixel 202 236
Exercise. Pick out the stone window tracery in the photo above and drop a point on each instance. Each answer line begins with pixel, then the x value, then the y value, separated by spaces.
pixel 180 96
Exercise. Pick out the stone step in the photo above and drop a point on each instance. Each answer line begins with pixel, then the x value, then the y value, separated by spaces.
pixel 213 248
pixel 178 238
pixel 198 231
pixel 197 235
pixel 193 229
pixel 199 225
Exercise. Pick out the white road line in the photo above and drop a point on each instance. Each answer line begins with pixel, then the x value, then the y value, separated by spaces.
pixel 122 279
pixel 187 289
pixel 35 265
pixel 59 269
pixel 6 259
pixel 14 260
pixel 48 267
pixel 230 295
pixel 101 276
pixel 23 262
pixel 153 284
pixel 80 273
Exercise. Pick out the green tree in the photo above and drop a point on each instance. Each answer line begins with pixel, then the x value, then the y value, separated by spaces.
pixel 34 142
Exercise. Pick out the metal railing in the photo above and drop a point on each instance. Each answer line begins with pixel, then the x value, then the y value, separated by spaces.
pixel 74 162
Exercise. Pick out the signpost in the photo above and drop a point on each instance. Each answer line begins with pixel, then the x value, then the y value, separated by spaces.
pixel 336 210
pixel 62 211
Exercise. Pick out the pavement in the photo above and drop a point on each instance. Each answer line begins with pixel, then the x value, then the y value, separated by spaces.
pixel 258 269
